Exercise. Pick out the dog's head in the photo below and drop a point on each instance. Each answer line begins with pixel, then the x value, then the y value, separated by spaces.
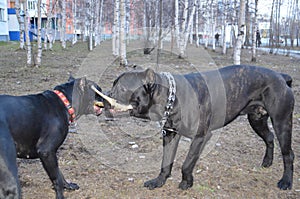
pixel 81 96
pixel 134 91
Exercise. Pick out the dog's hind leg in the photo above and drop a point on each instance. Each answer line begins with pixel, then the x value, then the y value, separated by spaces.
pixel 260 126
pixel 280 108
pixel 283 130
pixel 170 143
pixel 50 164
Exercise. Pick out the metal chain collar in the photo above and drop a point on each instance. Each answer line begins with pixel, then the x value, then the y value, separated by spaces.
pixel 170 102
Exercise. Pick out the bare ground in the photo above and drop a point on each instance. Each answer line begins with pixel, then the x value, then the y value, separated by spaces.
pixel 101 157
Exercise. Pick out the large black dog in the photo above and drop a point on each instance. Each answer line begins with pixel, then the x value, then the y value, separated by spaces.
pixel 193 105
pixel 34 126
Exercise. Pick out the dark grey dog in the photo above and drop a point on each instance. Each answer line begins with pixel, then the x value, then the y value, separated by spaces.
pixel 193 105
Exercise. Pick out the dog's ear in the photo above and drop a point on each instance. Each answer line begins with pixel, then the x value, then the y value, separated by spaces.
pixel 149 83
pixel 150 76
pixel 82 83
pixel 71 78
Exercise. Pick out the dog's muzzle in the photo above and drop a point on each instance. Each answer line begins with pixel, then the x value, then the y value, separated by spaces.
pixel 116 106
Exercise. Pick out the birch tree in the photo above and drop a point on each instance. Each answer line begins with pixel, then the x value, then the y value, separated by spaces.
pixel 225 10
pixel 21 23
pixel 159 45
pixel 186 29
pixel 98 21
pixel 38 60
pixel 254 29
pixel 48 29
pixel 197 23
pixel 115 33
pixel 63 24
pixel 26 28
pixel 241 33
pixel 74 11
pixel 271 41
pixel 176 22
pixel 122 54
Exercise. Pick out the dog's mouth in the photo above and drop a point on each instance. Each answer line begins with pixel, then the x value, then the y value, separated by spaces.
pixel 113 103
pixel 98 107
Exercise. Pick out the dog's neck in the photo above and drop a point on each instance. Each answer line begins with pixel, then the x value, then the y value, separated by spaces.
pixel 67 104
pixel 170 100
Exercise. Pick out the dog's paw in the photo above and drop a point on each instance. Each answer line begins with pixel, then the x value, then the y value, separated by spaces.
pixel 154 183
pixel 71 186
pixel 284 184
pixel 184 184
pixel 266 163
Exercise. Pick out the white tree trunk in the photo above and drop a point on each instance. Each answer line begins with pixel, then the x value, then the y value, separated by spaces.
pixel 38 60
pixel 241 32
pixel 21 24
pixel 99 6
pixel 197 23
pixel 91 24
pixel 224 46
pixel 186 30
pixel 74 9
pixel 63 24
pixel 123 58
pixel 176 25
pixel 115 36
pixel 254 28
pixel 100 22
pixel 26 28
pixel 48 29
pixel 213 25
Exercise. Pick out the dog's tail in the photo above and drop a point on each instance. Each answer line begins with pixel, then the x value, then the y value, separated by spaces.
pixel 288 79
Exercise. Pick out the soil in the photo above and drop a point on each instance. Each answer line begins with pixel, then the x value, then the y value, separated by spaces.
pixel 112 159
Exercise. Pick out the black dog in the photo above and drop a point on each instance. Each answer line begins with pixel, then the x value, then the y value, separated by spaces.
pixel 38 124
pixel 193 105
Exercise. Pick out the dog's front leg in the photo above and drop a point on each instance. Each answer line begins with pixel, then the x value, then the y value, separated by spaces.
pixel 195 150
pixel 170 143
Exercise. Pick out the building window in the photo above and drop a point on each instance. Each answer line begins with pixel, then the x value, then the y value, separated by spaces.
pixel 2 14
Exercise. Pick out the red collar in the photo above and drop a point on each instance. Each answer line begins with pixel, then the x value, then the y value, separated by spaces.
pixel 68 105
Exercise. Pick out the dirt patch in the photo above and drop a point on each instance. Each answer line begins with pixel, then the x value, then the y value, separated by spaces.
pixel 101 157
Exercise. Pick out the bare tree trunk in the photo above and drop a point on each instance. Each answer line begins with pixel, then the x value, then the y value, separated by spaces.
pixel 185 31
pixel 98 21
pixel 74 9
pixel 254 29
pixel 21 24
pixel 39 35
pixel 26 27
pixel 159 43
pixel 115 36
pixel 48 29
pixel 123 59
pixel 213 24
pixel 176 23
pixel 271 39
pixel 241 33
pixel 248 22
pixel 197 23
pixel 90 17
pixel 224 49
pixel 63 24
